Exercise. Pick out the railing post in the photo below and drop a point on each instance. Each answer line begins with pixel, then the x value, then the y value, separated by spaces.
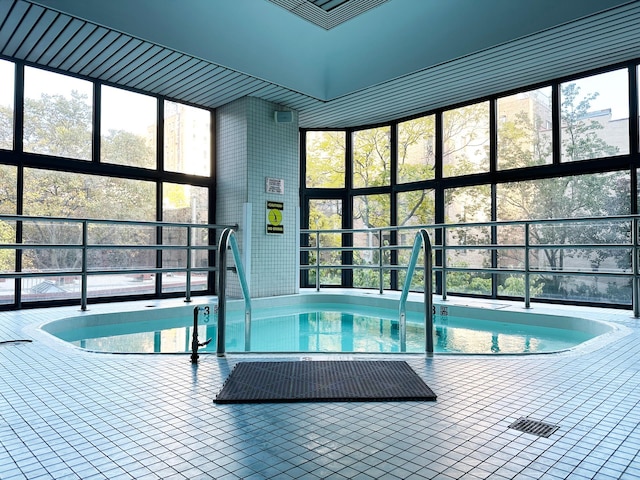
pixel 380 264
pixel 188 279
pixel 83 281
pixel 444 262
pixel 635 283
pixel 527 280
pixel 317 261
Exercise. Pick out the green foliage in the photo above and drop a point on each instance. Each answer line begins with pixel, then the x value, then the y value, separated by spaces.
pixel 513 286
pixel 325 165
pixel 6 127
pixel 371 157
pixel 126 148
pixel 59 126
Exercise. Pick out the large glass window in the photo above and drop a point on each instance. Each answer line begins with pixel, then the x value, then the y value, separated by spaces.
pixel 325 159
pixel 416 149
pixel 369 213
pixel 595 116
pixel 525 129
pixel 184 204
pixel 468 205
pixel 466 140
pixel 8 205
pixel 7 75
pixel 576 196
pixel 416 207
pixel 372 157
pixel 128 124
pixel 325 214
pixel 187 139
pixel 57 114
pixel 71 195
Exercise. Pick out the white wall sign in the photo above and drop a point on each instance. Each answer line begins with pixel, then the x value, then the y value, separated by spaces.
pixel 275 185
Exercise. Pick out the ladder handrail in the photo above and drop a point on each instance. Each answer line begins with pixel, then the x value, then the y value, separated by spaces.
pixel 421 241
pixel 228 240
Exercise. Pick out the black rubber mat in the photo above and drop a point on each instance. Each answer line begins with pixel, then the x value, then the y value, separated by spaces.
pixel 323 381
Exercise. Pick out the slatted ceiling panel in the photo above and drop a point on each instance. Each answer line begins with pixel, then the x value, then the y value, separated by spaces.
pixel 53 31
pixel 101 52
pixel 12 21
pixel 62 38
pixel 76 60
pixel 165 76
pixel 166 62
pixel 211 75
pixel 71 45
pixel 38 28
pixel 153 60
pixel 134 62
pixel 197 78
pixel 190 70
pixel 220 95
pixel 28 20
pixel 108 62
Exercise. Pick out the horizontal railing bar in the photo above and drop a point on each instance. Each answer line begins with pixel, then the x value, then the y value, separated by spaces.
pixel 448 226
pixel 151 224
pixel 74 273
pixel 42 246
pixel 533 271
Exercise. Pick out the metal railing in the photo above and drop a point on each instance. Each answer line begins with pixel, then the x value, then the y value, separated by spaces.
pixel 75 250
pixel 228 241
pixel 536 252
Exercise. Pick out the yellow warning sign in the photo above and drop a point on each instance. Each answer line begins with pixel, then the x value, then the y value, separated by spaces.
pixel 274 217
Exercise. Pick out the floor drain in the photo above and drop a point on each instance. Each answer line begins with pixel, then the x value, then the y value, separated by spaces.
pixel 536 427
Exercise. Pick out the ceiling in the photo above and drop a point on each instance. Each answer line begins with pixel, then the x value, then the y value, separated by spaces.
pixel 353 63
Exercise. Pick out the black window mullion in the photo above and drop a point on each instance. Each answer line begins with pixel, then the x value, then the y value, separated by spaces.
pixel 556 123
pixel 18 140
pixel 96 112
pixel 393 207
pixel 347 211
pixel 439 196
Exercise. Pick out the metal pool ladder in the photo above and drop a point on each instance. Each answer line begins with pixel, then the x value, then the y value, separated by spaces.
pixel 421 241
pixel 228 240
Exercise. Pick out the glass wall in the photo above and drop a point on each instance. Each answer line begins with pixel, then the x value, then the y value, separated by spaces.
pixel 7 92
pixel 118 178
pixel 524 129
pixel 325 155
pixel 58 113
pixel 128 128
pixel 187 139
pixel 562 150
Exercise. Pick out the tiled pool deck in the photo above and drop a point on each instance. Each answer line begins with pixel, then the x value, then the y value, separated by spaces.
pixel 66 414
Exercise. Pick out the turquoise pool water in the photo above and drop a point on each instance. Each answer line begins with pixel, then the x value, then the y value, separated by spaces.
pixel 328 328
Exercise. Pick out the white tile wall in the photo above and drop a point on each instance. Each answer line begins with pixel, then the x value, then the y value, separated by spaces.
pixel 252 147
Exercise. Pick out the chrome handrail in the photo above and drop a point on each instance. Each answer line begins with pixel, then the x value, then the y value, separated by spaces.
pixel 83 245
pixel 421 242
pixel 228 240
pixel 528 246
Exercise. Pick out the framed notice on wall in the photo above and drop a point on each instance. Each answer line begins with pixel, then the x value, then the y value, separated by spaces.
pixel 274 217
pixel 275 185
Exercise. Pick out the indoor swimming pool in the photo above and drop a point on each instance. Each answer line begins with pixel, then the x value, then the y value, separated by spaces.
pixel 329 323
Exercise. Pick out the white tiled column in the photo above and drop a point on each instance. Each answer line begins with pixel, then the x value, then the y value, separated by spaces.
pixel 251 147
